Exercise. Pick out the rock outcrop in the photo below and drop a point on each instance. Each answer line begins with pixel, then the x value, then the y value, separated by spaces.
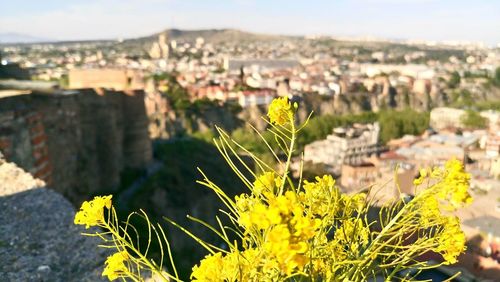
pixel 38 240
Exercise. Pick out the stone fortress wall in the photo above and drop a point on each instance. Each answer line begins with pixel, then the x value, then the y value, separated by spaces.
pixel 78 141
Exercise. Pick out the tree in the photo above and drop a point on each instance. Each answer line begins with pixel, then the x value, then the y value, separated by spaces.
pixel 472 119
pixel 496 78
pixel 454 80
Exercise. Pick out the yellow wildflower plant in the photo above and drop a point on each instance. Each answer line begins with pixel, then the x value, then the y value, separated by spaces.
pixel 115 266
pixel 128 262
pixel 92 213
pixel 280 111
pixel 266 184
pixel 288 229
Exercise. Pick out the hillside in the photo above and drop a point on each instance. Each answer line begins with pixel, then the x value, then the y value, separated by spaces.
pixel 212 36
pixel 12 37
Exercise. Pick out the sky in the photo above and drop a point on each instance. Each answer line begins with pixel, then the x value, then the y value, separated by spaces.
pixel 439 20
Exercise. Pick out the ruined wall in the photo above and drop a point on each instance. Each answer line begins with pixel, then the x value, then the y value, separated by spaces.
pixel 23 140
pixel 79 143
pixel 118 79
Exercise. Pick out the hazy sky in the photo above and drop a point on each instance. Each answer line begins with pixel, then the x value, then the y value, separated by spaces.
pixel 473 20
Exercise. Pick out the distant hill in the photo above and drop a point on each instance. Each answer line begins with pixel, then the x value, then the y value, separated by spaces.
pixel 12 37
pixel 214 35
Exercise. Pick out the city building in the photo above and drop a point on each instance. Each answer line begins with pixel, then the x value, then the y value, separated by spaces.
pixel 358 175
pixel 446 118
pixel 259 64
pixel 492 147
pixel 349 145
pixel 159 49
pixel 493 118
pixel 255 97
pixel 117 79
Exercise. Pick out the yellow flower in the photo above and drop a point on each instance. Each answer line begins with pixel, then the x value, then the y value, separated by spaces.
pixel 423 173
pixel 436 172
pixel 267 184
pixel 455 184
pixel 429 211
pixel 210 269
pixel 234 266
pixel 353 234
pixel 353 203
pixel 288 241
pixel 451 241
pixel 92 213
pixel 321 196
pixel 285 226
pixel 280 111
pixel 115 265
pixel 245 265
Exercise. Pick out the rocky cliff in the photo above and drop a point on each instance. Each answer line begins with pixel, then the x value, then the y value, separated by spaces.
pixel 78 142
pixel 230 117
pixel 38 240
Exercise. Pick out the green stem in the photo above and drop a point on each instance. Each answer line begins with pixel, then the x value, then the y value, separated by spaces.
pixel 142 258
pixel 289 157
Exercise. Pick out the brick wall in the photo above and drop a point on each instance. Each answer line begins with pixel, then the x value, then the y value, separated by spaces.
pixel 80 143
pixel 23 140
pixel 39 148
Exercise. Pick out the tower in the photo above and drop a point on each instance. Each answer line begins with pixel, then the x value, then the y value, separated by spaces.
pixel 160 49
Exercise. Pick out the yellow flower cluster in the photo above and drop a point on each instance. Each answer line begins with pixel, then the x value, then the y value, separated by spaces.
pixel 306 231
pixel 280 111
pixel 451 240
pixel 294 226
pixel 287 241
pixel 429 211
pixel 453 185
pixel 92 213
pixel 448 193
pixel 286 226
pixel 266 184
pixel 325 201
pixel 236 266
pixel 353 235
pixel 321 196
pixel 115 265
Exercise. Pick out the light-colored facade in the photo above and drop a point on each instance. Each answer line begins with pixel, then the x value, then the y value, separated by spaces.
pixel 345 145
pixel 492 147
pixel 117 79
pixel 256 98
pixel 160 49
pixel 358 176
pixel 493 118
pixel 442 118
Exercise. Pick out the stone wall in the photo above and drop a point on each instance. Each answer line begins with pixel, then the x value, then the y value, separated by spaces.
pixel 80 142
pixel 23 141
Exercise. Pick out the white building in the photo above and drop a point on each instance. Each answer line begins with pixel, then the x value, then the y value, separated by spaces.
pixel 256 97
pixel 159 49
pixel 443 117
pixel 345 145
pixel 493 118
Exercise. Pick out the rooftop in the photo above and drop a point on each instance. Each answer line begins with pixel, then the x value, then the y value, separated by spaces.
pixel 486 223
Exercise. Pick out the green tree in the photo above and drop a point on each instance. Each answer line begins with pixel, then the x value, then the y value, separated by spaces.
pixel 454 80
pixel 472 119
pixel 496 78
pixel 396 124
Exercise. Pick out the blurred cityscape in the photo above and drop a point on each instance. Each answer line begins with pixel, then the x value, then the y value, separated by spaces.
pixel 135 117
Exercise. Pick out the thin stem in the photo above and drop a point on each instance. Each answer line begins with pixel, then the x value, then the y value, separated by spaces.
pixel 289 157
